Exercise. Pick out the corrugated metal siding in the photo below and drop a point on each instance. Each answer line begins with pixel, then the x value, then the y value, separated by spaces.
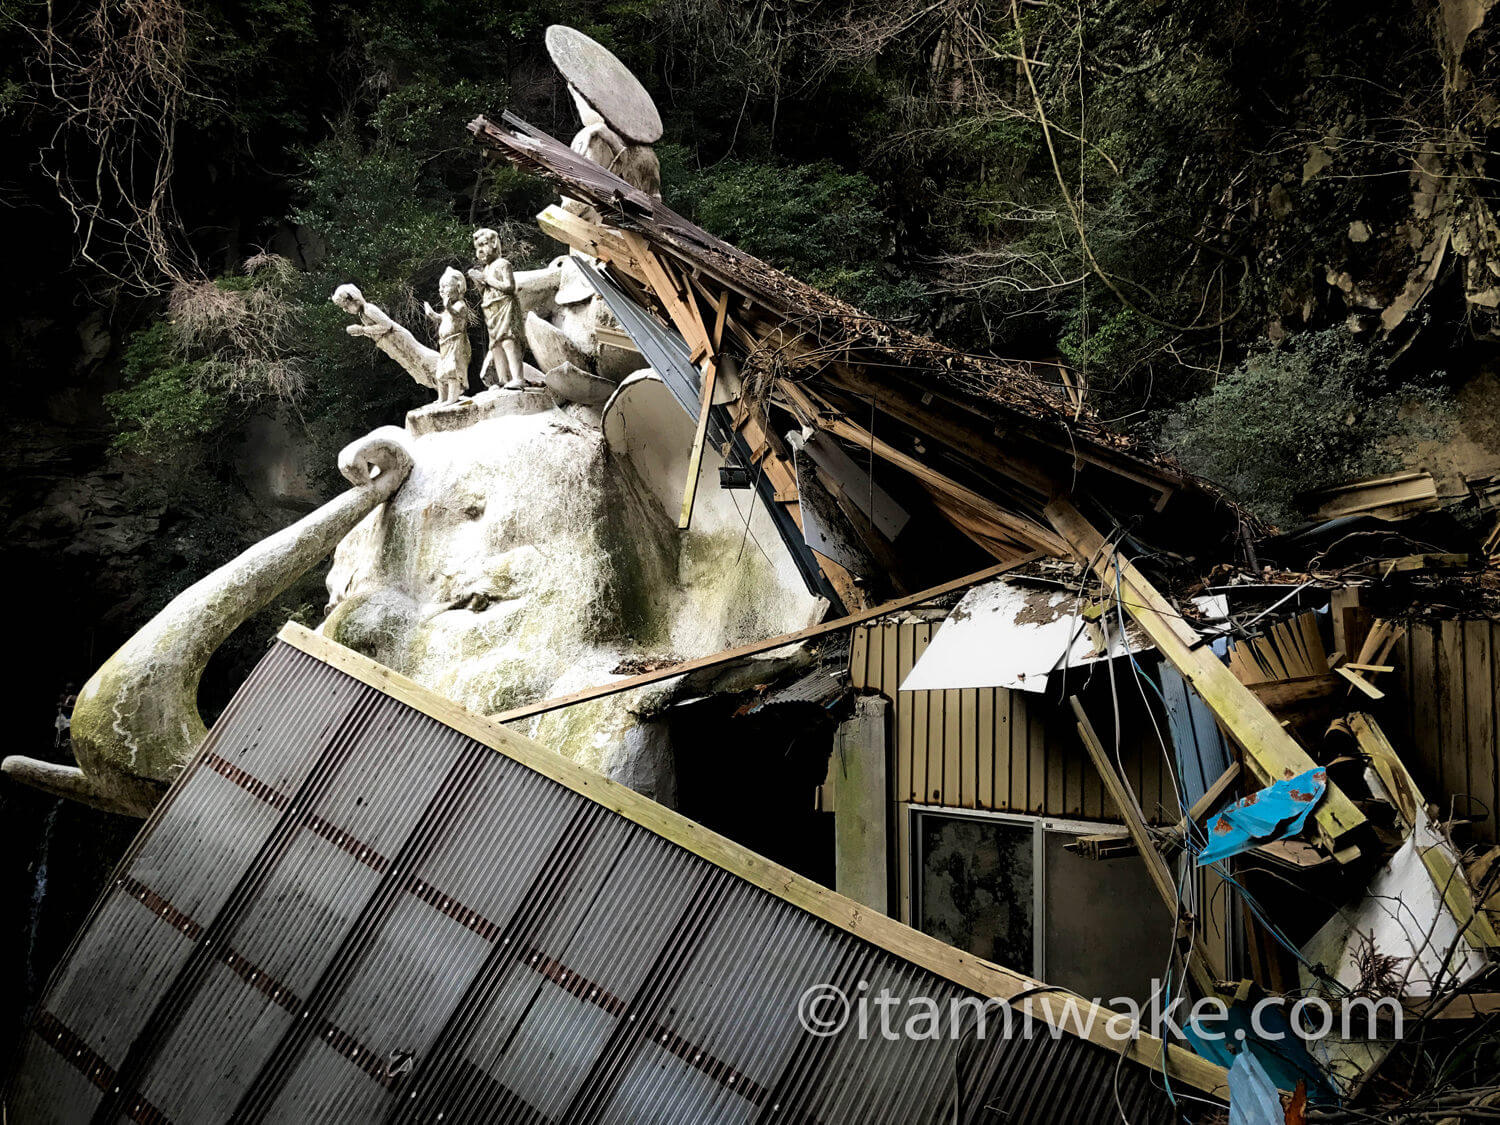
pixel 1009 751
pixel 1449 672
pixel 346 911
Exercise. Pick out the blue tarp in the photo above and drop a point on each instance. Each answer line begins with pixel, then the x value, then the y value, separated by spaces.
pixel 1267 814
pixel 1277 1048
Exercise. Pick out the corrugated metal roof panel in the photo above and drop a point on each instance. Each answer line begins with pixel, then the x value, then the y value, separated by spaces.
pixel 408 926
pixel 820 686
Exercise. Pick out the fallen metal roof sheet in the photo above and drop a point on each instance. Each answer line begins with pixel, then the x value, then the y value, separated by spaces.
pixel 350 908
pixel 664 349
pixel 822 686
pixel 1014 634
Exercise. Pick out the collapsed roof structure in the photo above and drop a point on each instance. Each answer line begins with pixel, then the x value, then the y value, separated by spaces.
pixel 1074 740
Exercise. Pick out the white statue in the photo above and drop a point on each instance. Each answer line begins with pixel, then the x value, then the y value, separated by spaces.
pixel 620 121
pixel 503 365
pixel 416 358
pixel 452 327
pixel 635 164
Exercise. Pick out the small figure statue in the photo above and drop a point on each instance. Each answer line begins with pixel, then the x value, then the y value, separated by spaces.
pixel 452 327
pixel 503 364
pixel 416 358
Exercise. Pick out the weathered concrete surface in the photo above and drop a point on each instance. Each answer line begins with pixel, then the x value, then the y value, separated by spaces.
pixel 524 559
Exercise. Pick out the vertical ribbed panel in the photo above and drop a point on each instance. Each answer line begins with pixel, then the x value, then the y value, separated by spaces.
pixel 1009 751
pixel 1449 672
pixel 348 912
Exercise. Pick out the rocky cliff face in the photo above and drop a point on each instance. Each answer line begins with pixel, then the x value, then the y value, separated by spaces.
pixel 524 558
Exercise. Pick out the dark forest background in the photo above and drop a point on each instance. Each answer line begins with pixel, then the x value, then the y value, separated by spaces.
pixel 1259 233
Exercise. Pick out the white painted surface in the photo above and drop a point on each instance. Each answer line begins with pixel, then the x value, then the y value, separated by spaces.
pixel 1014 634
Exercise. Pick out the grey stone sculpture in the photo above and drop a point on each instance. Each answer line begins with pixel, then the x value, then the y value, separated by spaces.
pixel 416 358
pixel 452 328
pixel 498 301
pixel 136 721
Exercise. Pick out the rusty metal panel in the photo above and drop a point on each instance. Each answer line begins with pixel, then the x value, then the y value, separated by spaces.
pixel 408 926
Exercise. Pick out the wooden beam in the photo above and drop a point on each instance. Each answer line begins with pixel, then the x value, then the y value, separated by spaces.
pixel 1356 680
pixel 1091 1021
pixel 1211 796
pixel 604 243
pixel 1270 750
pixel 1280 695
pixel 700 437
pixel 969 505
pixel 629 683
pixel 1156 866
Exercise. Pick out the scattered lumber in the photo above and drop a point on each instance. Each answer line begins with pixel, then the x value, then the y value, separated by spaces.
pixel 1271 752
pixel 1286 650
pixel 981 519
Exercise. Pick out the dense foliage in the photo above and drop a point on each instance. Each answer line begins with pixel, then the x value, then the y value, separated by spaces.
pixel 1165 196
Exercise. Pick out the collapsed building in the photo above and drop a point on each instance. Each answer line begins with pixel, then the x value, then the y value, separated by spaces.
pixel 760 646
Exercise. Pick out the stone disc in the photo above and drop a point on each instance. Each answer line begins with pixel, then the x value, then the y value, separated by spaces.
pixel 606 84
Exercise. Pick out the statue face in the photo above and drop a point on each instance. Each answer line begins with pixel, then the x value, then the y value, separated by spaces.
pixel 451 287
pixel 346 297
pixel 486 246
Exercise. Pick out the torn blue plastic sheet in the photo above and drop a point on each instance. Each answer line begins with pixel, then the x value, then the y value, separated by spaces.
pixel 1281 1052
pixel 1253 1099
pixel 1268 814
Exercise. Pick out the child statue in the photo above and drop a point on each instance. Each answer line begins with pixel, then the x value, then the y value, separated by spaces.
pixel 503 364
pixel 452 326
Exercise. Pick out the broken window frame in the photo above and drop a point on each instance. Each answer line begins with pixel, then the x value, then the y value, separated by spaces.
pixel 1039 825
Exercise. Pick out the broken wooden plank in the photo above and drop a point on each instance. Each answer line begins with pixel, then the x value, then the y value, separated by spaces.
pixel 1358 681
pixel 1211 797
pixel 700 437
pixel 629 683
pixel 1378 641
pixel 605 243
pixel 1156 866
pixel 1286 650
pixel 1272 752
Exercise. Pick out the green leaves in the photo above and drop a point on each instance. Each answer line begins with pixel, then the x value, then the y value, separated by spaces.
pixel 1314 413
